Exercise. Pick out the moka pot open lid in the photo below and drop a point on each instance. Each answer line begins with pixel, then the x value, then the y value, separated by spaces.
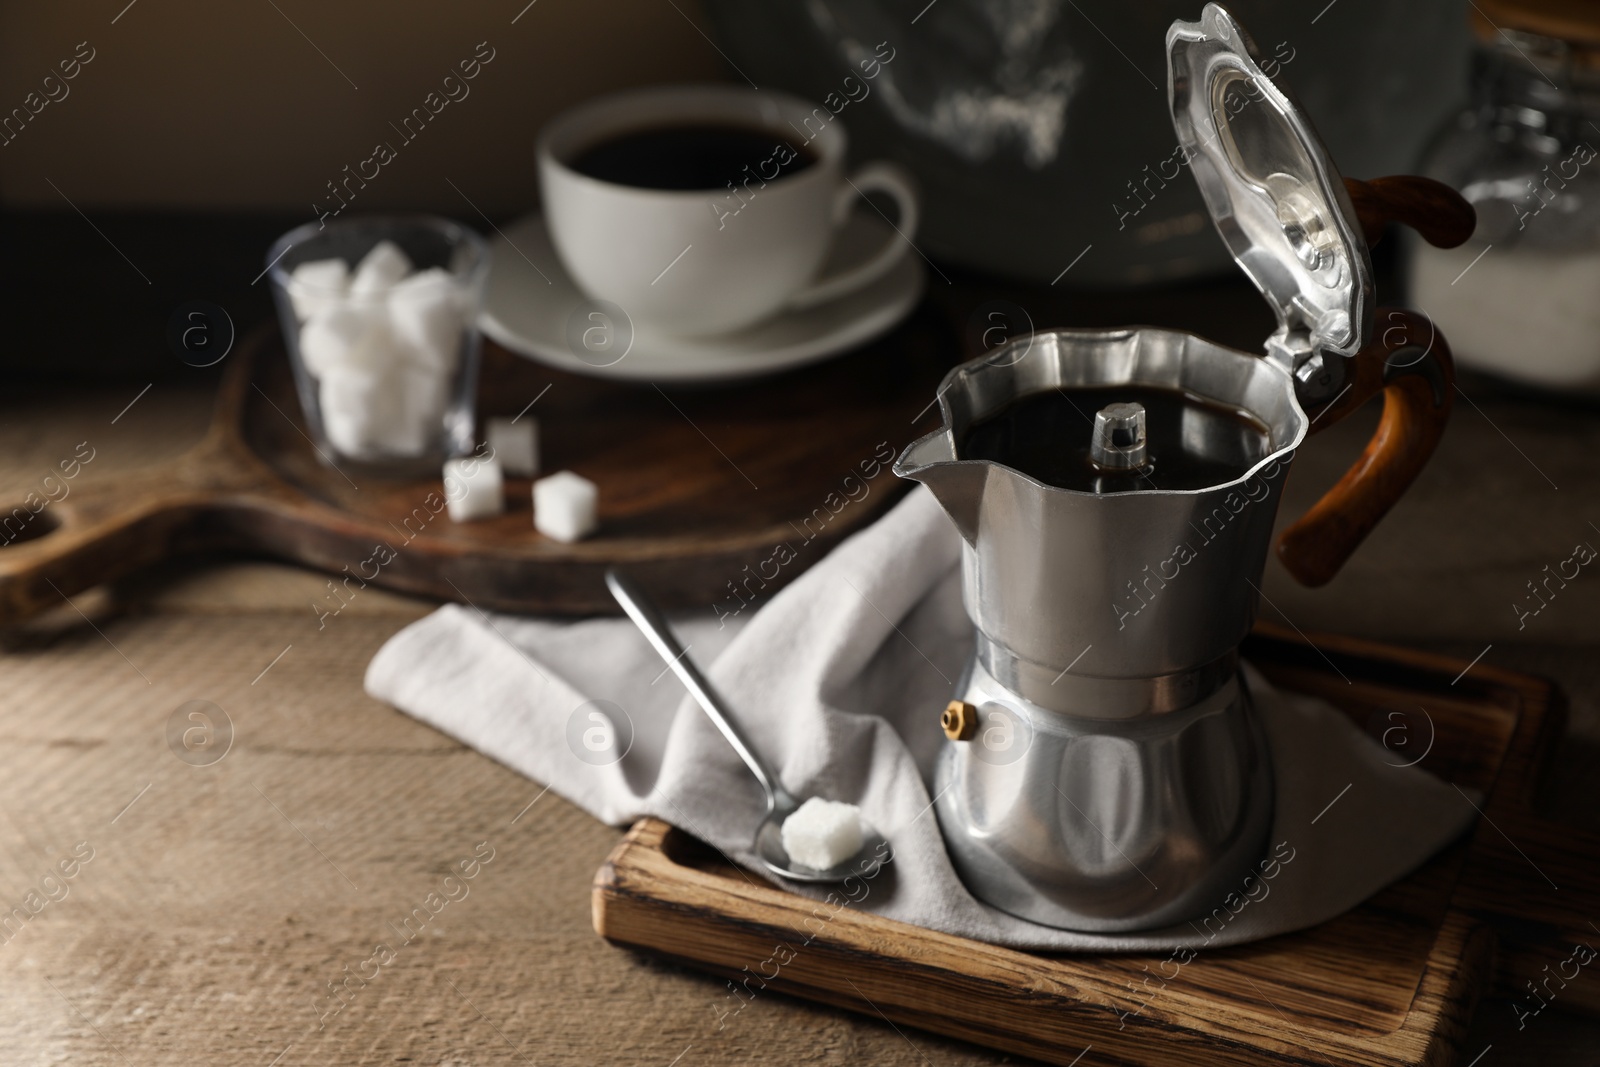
pixel 1274 194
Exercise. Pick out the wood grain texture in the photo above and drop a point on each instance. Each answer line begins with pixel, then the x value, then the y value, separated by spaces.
pixel 206 927
pixel 1391 982
pixel 1440 214
pixel 1418 395
pixel 698 487
pixel 210 925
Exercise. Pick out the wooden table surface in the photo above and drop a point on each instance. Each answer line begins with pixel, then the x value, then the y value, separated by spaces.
pixel 220 901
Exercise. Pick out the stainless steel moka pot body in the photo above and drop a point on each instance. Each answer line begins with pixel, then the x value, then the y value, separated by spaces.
pixel 1113 775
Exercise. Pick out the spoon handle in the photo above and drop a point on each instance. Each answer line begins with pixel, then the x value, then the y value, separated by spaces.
pixel 654 626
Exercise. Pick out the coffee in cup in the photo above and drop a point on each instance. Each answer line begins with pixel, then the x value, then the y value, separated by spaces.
pixel 699 210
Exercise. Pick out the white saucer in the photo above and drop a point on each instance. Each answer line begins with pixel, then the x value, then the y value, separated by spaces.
pixel 531 305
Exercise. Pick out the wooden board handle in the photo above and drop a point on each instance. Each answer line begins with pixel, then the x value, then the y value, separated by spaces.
pixel 1436 211
pixel 1409 363
pixel 99 532
pixel 104 528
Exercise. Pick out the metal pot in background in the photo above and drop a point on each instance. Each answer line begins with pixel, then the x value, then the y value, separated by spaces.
pixel 1038 128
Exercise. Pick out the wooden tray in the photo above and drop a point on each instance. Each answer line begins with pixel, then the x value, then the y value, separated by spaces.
pixel 1391 982
pixel 698 487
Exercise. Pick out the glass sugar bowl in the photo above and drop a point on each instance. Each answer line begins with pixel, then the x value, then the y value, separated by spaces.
pixel 1521 300
pixel 379 316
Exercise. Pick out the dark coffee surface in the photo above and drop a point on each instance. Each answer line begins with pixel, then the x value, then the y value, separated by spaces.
pixel 700 156
pixel 1192 442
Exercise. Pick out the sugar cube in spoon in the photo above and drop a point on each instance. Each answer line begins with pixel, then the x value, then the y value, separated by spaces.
pixel 821 834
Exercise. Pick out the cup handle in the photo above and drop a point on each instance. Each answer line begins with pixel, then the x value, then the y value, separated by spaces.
pixel 1410 364
pixel 874 177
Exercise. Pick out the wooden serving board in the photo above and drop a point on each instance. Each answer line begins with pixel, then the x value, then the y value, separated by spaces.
pixel 698 486
pixel 1391 982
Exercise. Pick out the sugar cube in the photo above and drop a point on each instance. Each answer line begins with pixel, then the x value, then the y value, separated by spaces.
pixel 417 410
pixel 564 506
pixel 356 407
pixel 515 443
pixel 821 834
pixel 383 345
pixel 379 270
pixel 317 285
pixel 474 488
pixel 425 390
pixel 344 336
pixel 426 314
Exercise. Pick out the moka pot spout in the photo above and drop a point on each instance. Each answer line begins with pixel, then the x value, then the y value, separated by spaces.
pixel 956 484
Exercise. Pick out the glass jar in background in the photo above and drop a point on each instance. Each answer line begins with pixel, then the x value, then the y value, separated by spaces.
pixel 379 316
pixel 1522 299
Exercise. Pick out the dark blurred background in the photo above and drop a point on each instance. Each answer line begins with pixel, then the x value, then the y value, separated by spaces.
pixel 198 132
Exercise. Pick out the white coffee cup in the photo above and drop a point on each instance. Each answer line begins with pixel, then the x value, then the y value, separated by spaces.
pixel 710 261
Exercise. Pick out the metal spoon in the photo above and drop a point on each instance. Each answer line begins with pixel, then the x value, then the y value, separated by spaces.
pixel 874 851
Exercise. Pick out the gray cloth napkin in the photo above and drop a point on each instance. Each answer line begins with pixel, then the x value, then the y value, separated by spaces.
pixel 838 681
